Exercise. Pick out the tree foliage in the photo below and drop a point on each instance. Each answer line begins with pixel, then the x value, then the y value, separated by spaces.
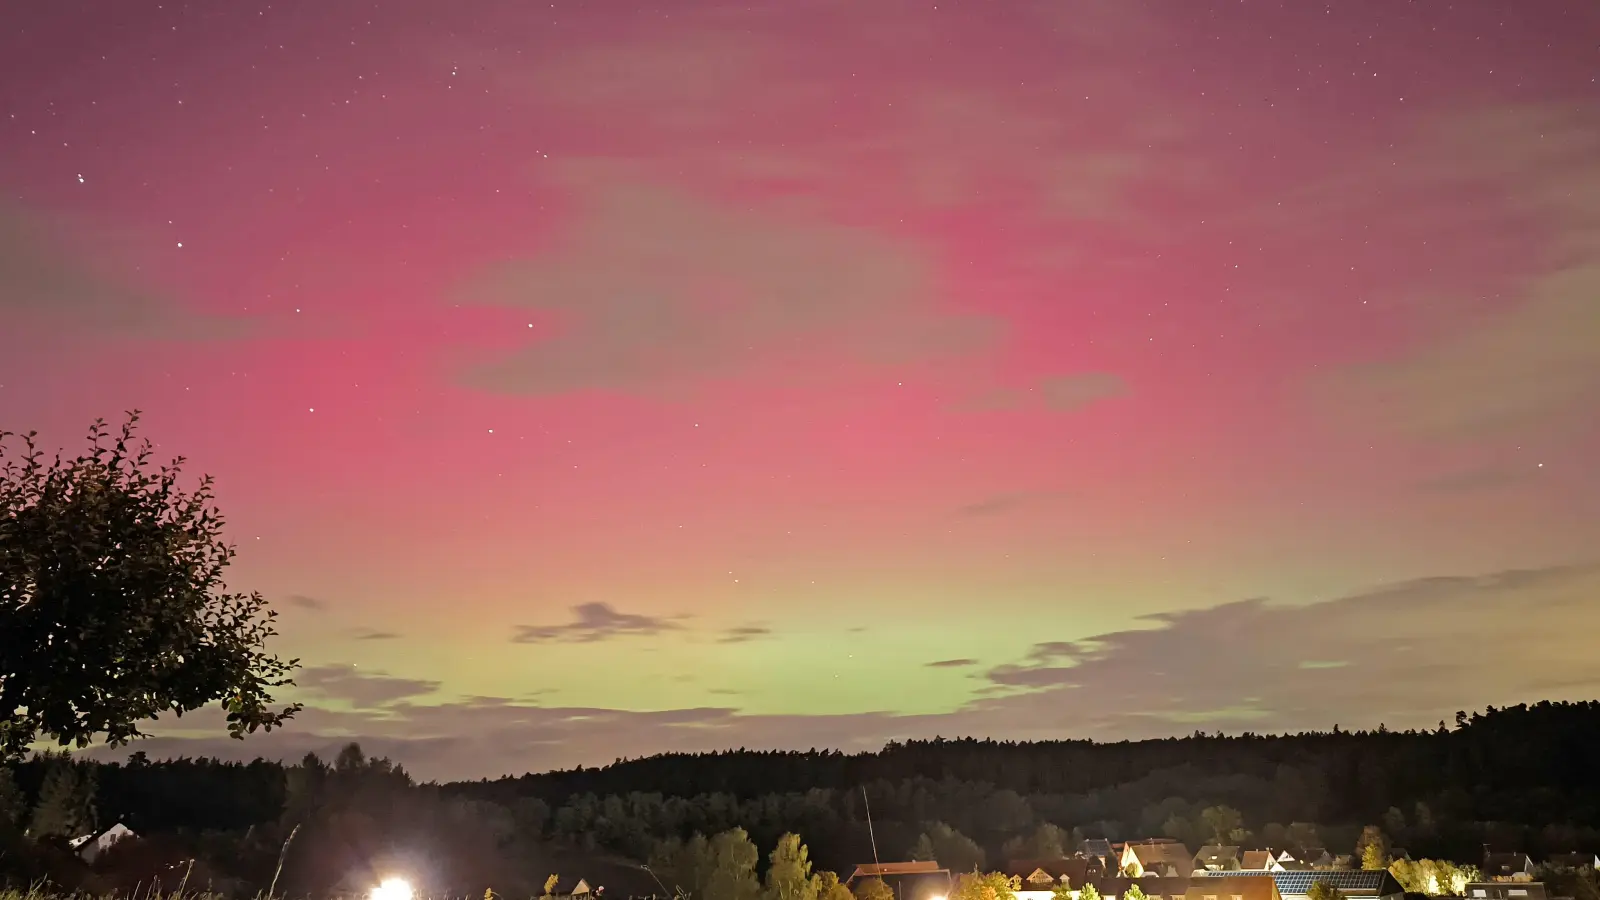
pixel 1322 890
pixel 953 850
pixel 873 889
pixel 733 867
pixel 66 806
pixel 1373 848
pixel 829 887
pixel 1045 842
pixel 112 604
pixel 789 871
pixel 1433 877
pixel 986 886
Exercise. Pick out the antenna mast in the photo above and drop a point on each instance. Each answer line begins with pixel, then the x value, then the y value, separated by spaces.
pixel 870 835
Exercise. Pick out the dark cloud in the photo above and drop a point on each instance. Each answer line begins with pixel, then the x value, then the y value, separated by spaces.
pixel 594 622
pixel 1405 652
pixel 363 690
pixel 367 634
pixel 655 288
pixel 44 287
pixel 1406 655
pixel 952 663
pixel 744 633
pixel 305 602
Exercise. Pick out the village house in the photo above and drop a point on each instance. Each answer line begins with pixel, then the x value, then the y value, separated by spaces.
pixel 1507 866
pixel 1218 858
pixel 1502 890
pixel 1262 861
pixel 1164 858
pixel 1232 887
pixel 90 846
pixel 1099 849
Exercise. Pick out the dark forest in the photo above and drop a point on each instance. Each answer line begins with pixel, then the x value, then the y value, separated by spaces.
pixel 1517 778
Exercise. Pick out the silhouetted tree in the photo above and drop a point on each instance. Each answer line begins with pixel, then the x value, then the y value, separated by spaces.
pixel 66 806
pixel 112 605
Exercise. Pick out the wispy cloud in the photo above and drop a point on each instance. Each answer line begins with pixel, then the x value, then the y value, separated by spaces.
pixel 1528 364
pixel 628 292
pixel 44 286
pixel 361 689
pixel 594 622
pixel 952 663
pixel 744 633
pixel 306 602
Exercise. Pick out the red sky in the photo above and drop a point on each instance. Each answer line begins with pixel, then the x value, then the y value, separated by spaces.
pixel 591 379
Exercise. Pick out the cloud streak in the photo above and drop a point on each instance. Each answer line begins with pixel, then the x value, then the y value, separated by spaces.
pixel 594 622
pixel 1406 654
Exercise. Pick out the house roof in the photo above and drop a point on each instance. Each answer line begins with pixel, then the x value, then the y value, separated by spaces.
pixel 1096 847
pixel 1351 882
pixel 1216 855
pixel 1160 855
pixel 1154 886
pixel 86 839
pixel 1256 859
pixel 1226 887
pixel 1077 870
pixel 878 870
pixel 1506 863
pixel 1503 890
pixel 1574 860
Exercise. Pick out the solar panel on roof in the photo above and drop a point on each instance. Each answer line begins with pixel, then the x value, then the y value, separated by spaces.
pixel 1347 880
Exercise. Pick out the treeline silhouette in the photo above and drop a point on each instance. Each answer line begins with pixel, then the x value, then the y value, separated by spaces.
pixel 1518 778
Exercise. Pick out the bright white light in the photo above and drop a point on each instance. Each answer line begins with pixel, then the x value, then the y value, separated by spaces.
pixel 393 889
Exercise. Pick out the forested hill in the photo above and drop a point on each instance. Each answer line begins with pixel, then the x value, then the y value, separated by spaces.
pixel 1506 763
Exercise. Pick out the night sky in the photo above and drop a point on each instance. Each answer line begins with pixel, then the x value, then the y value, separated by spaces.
pixel 591 379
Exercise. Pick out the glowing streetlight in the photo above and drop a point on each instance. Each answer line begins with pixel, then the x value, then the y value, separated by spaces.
pixel 393 889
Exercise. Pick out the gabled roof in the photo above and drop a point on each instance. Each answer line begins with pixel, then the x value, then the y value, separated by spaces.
pixel 87 839
pixel 1076 870
pixel 1227 887
pixel 1506 863
pixel 878 870
pixel 1256 859
pixel 1159 857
